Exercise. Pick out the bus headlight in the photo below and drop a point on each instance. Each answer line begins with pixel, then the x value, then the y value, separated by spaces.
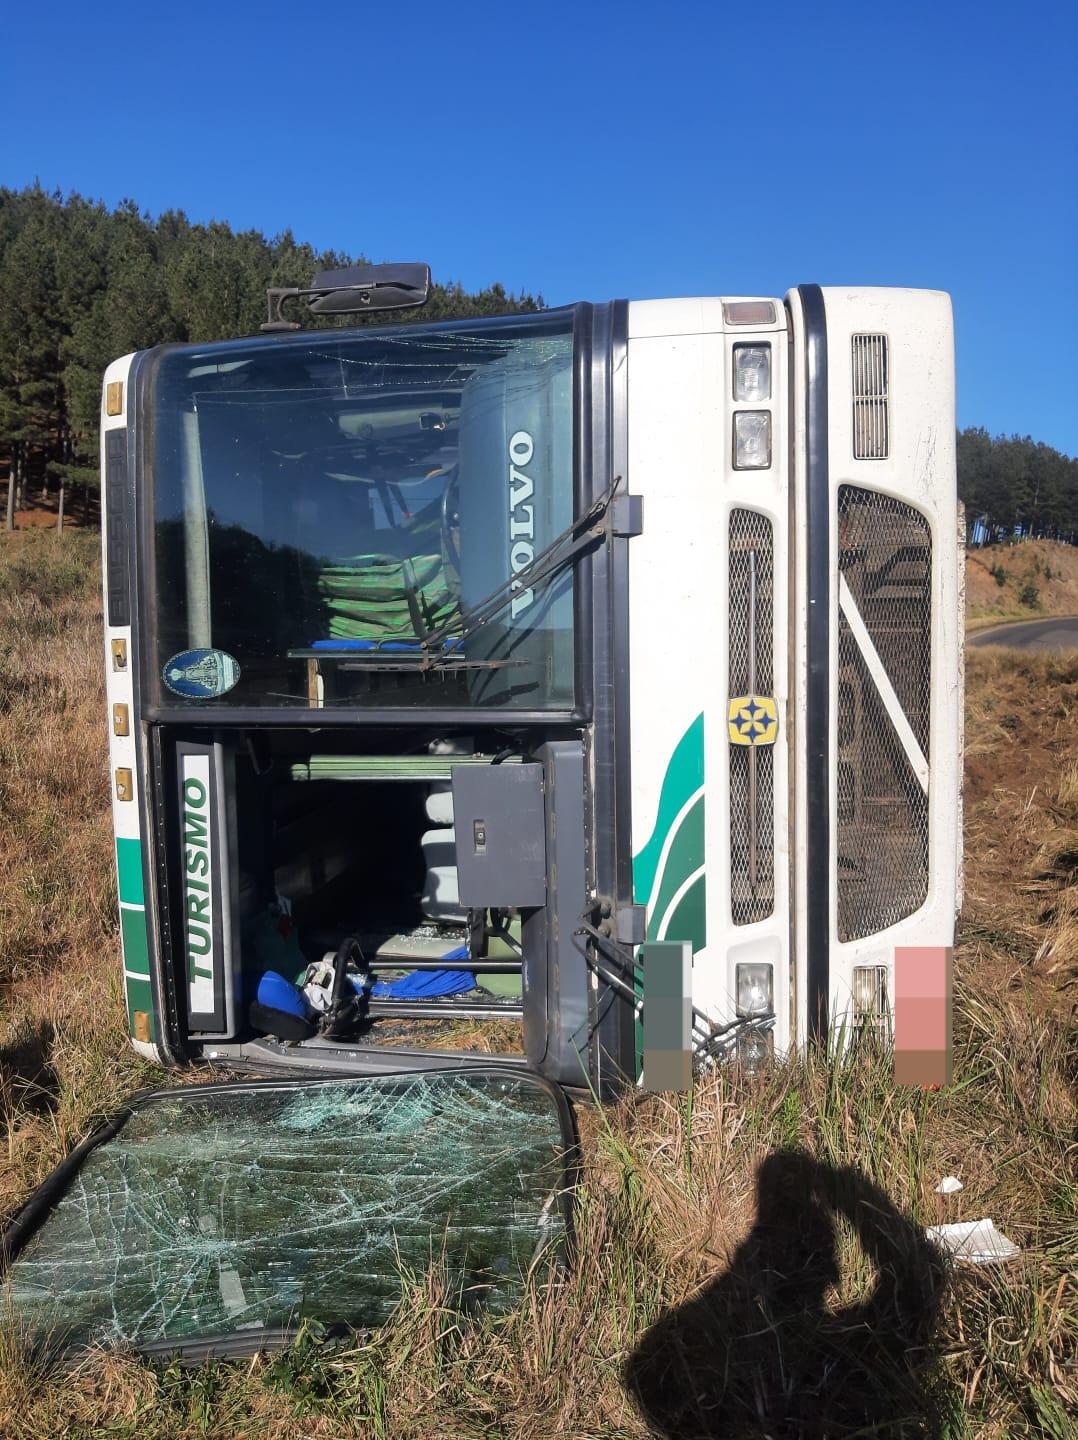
pixel 870 991
pixel 754 990
pixel 752 373
pixel 752 440
pixel 870 1003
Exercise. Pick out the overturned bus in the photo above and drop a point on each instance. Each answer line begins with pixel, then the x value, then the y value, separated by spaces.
pixel 497 708
pixel 450 663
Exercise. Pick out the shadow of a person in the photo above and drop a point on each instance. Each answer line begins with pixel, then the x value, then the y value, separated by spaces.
pixel 759 1353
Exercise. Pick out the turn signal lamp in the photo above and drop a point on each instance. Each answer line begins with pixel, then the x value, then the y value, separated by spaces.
pixel 748 312
pixel 754 1049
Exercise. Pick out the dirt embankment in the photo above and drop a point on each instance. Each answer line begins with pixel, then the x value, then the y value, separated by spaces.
pixel 1020 917
pixel 1022 581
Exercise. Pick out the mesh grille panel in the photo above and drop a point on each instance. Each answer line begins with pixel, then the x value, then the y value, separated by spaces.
pixel 885 556
pixel 752 866
pixel 870 382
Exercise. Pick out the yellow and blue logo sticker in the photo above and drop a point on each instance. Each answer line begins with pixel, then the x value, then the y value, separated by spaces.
pixel 752 720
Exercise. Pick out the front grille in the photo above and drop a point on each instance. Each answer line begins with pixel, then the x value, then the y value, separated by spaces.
pixel 870 382
pixel 885 558
pixel 752 672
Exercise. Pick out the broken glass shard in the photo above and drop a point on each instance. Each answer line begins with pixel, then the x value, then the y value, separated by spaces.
pixel 238 1210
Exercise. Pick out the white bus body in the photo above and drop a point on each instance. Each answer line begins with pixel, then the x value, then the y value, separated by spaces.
pixel 742 723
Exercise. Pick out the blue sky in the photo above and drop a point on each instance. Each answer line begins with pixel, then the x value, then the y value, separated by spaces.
pixel 587 151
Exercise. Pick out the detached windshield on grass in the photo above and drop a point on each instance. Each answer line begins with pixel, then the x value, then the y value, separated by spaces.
pixel 244 1208
pixel 323 504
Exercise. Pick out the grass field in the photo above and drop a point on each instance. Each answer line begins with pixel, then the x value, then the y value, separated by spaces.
pixel 668 1199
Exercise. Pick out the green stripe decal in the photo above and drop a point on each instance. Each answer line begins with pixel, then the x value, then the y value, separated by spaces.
pixel 689 920
pixel 658 879
pixel 685 858
pixel 136 949
pixel 684 776
pixel 129 869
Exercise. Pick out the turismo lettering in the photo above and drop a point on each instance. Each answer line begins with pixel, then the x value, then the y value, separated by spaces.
pixel 197 879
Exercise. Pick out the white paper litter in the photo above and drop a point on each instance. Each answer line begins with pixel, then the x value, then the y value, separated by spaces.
pixel 977 1241
pixel 949 1185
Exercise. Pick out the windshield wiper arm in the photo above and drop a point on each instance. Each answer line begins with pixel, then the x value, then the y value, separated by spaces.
pixel 561 550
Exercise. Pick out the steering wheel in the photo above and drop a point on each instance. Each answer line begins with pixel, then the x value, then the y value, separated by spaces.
pixel 450 516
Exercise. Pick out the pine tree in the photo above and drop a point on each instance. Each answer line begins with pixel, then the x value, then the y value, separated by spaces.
pixel 31 394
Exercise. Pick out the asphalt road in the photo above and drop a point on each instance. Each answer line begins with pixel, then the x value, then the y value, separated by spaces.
pixel 1058 633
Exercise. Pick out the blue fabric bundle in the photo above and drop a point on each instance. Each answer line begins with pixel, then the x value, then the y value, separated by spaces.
pixel 425 984
pixel 448 644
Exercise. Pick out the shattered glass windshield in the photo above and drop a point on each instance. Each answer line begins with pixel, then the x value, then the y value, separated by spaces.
pixel 220 1210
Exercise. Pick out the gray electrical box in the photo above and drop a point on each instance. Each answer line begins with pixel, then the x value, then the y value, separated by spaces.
pixel 500 827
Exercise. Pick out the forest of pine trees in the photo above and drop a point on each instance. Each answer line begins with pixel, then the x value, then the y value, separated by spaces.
pixel 80 285
pixel 1014 486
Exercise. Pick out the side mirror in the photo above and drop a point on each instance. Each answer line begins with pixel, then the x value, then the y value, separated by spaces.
pixel 353 291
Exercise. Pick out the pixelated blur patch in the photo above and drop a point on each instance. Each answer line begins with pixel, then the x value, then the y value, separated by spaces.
pixel 923 1022
pixel 667 1014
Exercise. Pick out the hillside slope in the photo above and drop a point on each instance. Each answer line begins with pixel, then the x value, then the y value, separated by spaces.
pixel 1020 916
pixel 1022 581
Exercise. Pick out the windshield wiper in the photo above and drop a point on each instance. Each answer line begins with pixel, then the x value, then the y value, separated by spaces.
pixel 552 558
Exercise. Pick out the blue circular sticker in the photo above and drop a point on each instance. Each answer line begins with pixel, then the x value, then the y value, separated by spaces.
pixel 201 674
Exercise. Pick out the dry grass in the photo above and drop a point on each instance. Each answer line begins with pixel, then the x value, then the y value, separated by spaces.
pixel 63 1056
pixel 1022 822
pixel 55 887
pixel 668 1200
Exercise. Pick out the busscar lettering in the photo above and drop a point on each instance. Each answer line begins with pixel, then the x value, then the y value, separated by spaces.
pixel 521 516
pixel 198 905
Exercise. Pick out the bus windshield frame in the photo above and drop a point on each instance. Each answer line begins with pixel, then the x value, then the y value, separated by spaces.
pixel 440 493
